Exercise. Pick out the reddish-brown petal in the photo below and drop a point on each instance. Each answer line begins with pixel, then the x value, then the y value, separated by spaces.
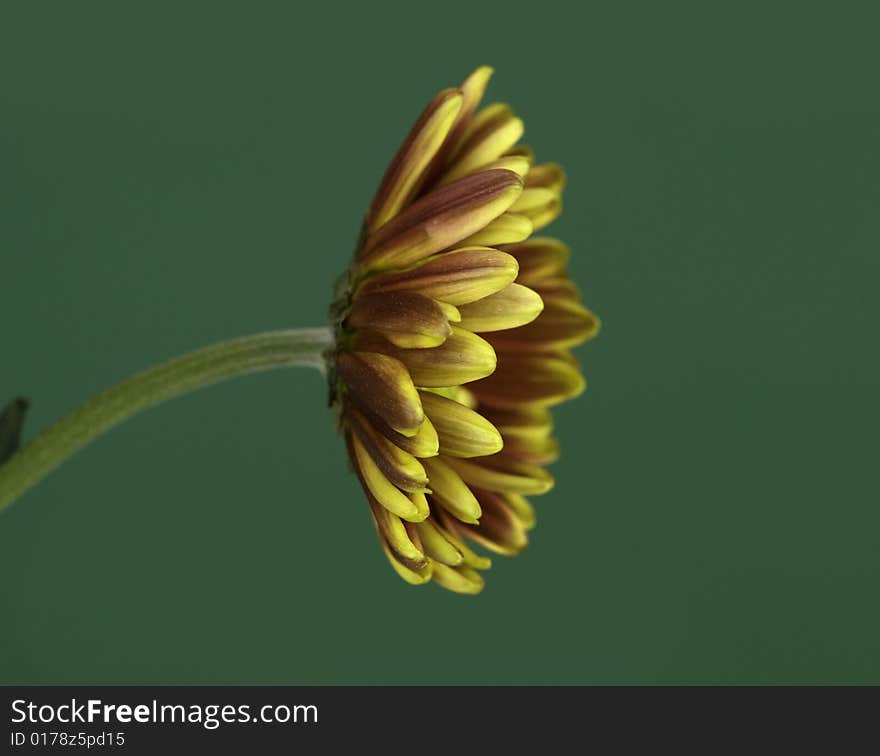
pixel 405 318
pixel 499 529
pixel 383 384
pixel 472 90
pixel 457 277
pixel 440 219
pixel 408 169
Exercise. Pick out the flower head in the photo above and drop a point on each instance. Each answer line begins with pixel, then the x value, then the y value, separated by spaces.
pixel 453 330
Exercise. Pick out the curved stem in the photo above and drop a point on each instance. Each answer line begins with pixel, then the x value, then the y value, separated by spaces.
pixel 250 354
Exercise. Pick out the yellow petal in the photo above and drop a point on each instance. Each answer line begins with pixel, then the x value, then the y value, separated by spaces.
pixel 396 536
pixel 517 163
pixel 400 467
pixel 377 485
pixel 523 510
pixel 539 258
pixel 547 175
pixel 533 200
pixel 450 311
pixel 441 219
pixel 535 451
pixel 450 525
pixel 421 504
pixel 559 285
pixel 474 86
pixel 492 132
pixel 407 170
pixel 463 357
pixel 437 546
pixel 512 307
pixel 522 150
pixel 472 90
pixel 540 379
pixel 563 324
pixel 383 384
pixel 413 577
pixel 458 579
pixel 458 277
pixel 539 205
pixel 545 214
pixel 424 444
pixel 450 392
pixel 502 475
pixel 524 421
pixel 465 397
pixel 450 492
pixel 508 228
pixel 462 432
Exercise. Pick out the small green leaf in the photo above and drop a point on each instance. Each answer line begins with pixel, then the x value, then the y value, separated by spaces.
pixel 11 422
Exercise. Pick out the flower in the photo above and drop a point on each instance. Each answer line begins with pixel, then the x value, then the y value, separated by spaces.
pixel 453 337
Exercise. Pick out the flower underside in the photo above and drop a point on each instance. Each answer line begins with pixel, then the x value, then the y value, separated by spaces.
pixel 454 327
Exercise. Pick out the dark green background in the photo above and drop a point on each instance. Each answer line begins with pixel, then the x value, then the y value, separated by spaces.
pixel 171 175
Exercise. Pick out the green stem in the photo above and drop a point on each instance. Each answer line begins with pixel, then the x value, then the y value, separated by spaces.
pixel 250 354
